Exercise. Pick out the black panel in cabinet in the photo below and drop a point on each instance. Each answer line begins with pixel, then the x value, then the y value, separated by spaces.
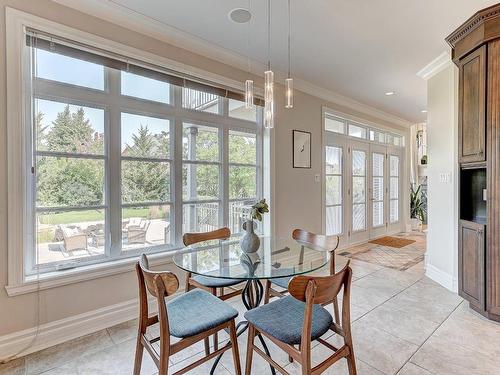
pixel 473 195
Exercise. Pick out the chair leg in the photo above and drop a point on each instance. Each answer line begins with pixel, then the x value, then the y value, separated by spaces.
pixel 351 363
pixel 163 369
pixel 207 346
pixel 336 310
pixel 266 292
pixel 139 350
pixel 216 336
pixel 251 336
pixel 234 347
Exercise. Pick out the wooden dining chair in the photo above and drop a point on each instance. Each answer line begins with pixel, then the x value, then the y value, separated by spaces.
pixel 192 317
pixel 210 284
pixel 300 318
pixel 321 242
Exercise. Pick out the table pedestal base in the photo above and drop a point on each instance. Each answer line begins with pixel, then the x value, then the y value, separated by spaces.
pixel 252 297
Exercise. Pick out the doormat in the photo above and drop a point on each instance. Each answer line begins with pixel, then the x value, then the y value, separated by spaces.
pixel 392 241
pixel 407 253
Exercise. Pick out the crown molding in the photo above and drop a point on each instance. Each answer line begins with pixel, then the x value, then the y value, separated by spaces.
pixel 435 66
pixel 115 13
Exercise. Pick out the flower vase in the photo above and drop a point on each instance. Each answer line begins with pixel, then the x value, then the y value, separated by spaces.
pixel 249 242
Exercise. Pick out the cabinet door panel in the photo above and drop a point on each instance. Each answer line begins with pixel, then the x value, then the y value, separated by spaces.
pixel 472 114
pixel 471 263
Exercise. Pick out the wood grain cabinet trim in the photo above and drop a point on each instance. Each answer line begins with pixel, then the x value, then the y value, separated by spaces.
pixel 472 111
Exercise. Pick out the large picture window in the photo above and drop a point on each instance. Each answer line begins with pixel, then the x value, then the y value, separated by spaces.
pixel 125 160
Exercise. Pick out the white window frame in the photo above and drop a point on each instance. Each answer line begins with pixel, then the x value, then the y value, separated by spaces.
pixel 20 235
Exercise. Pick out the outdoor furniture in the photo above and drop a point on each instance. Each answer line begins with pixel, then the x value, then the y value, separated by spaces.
pixel 276 257
pixel 320 242
pixel 137 229
pixel 73 238
pixel 192 317
pixel 300 318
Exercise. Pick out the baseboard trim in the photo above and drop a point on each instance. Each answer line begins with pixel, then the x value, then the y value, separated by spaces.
pixel 60 331
pixel 441 277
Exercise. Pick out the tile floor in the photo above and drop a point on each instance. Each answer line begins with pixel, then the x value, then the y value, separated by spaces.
pixel 404 324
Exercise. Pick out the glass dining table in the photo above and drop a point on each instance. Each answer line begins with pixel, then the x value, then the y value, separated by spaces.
pixel 275 258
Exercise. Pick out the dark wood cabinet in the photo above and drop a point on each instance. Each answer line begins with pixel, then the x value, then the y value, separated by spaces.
pixel 472 102
pixel 476 52
pixel 471 257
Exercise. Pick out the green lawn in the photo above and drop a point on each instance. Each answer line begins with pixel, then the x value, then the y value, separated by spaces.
pixel 93 215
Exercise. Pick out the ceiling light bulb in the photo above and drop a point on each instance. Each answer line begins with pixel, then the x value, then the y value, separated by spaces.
pixel 249 94
pixel 423 111
pixel 390 93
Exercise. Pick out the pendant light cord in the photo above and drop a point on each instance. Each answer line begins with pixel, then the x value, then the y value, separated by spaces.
pixel 269 34
pixel 289 39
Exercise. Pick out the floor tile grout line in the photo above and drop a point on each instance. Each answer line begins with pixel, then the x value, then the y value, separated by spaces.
pixel 427 339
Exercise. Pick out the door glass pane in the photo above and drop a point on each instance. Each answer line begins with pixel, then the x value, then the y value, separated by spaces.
pixel 378 214
pixel 394 187
pixel 145 226
pixel 144 88
pixel 358 190
pixel 333 190
pixel 334 220
pixel 145 137
pixel 200 142
pixel 333 160
pixel 358 217
pixel 378 188
pixel 394 211
pixel 378 165
pixel 394 165
pixel 358 163
pixel 238 212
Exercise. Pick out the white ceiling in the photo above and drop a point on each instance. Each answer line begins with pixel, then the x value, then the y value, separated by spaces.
pixel 357 48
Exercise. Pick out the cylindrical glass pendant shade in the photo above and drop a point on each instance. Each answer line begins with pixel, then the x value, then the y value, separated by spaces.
pixel 289 93
pixel 249 94
pixel 268 99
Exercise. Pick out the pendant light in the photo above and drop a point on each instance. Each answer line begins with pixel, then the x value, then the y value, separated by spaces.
pixel 269 78
pixel 289 80
pixel 249 102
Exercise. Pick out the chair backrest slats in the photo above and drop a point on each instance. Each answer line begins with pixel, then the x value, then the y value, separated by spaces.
pixel 218 234
pixel 170 281
pixel 329 243
pixel 327 287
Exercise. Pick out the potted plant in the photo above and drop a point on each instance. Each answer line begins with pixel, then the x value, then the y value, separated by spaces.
pixel 250 242
pixel 417 207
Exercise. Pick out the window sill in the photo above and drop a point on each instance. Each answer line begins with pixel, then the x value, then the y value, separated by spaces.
pixel 55 279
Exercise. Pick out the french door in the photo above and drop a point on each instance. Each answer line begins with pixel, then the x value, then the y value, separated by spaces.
pixel 362 195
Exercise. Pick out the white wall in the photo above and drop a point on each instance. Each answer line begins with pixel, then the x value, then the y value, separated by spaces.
pixel 442 139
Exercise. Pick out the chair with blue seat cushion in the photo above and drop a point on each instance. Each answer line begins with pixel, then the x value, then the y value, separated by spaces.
pixel 212 285
pixel 192 317
pixel 300 318
pixel 329 243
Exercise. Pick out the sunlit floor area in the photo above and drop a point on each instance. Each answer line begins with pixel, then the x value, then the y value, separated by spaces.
pixel 403 323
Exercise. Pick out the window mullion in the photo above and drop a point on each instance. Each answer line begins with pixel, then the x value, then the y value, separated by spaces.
pixel 224 151
pixel 176 172
pixel 113 174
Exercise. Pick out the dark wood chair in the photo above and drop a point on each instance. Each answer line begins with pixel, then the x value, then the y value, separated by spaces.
pixel 329 243
pixel 300 318
pixel 192 317
pixel 212 285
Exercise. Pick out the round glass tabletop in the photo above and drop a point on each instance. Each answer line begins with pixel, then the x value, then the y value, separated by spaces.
pixel 276 257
